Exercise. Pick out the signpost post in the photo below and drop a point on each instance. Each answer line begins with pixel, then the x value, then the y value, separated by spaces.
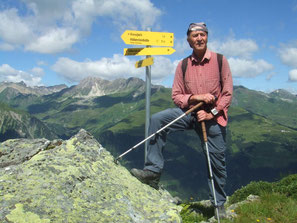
pixel 147 38
pixel 148 78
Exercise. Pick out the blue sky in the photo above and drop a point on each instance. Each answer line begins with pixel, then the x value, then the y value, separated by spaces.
pixel 49 42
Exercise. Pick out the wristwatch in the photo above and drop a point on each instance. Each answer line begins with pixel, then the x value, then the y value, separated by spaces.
pixel 214 111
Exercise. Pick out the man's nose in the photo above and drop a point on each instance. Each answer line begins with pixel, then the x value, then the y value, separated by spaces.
pixel 199 37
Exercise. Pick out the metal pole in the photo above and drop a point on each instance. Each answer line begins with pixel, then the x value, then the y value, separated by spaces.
pixel 210 169
pixel 147 102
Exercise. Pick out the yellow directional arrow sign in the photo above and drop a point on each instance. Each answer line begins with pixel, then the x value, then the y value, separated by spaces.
pixel 148 51
pixel 148 38
pixel 146 62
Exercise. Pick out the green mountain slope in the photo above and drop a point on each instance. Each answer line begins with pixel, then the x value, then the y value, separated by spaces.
pixel 18 124
pixel 279 106
pixel 262 137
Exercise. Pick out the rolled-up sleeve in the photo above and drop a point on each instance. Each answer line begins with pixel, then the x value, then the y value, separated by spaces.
pixel 179 95
pixel 225 98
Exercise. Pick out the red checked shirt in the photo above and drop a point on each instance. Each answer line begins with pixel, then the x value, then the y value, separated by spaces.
pixel 202 78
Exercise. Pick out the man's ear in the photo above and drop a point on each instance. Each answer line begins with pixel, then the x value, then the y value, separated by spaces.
pixel 189 42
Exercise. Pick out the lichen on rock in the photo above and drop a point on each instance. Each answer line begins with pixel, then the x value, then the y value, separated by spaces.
pixel 75 181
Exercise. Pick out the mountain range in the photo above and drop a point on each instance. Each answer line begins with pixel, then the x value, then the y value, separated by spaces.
pixel 21 87
pixel 261 139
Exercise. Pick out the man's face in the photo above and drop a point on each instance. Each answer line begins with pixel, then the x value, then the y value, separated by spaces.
pixel 198 40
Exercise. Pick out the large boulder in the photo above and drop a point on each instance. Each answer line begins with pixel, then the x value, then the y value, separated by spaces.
pixel 74 181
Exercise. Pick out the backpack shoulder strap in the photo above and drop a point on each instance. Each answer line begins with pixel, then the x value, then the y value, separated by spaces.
pixel 184 66
pixel 220 61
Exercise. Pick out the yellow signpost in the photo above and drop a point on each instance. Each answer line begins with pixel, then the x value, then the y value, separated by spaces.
pixel 148 38
pixel 146 62
pixel 148 51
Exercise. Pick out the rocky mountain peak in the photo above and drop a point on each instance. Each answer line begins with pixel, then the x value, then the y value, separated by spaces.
pixel 22 83
pixel 89 82
pixel 284 95
pixel 95 86
pixel 75 180
pixel 22 88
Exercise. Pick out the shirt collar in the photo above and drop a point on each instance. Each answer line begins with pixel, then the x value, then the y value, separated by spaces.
pixel 206 57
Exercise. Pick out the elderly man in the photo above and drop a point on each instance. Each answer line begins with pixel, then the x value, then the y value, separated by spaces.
pixel 206 80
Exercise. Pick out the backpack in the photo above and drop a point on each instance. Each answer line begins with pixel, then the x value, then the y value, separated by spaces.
pixel 185 65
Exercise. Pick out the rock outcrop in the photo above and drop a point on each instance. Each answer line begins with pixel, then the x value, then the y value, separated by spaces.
pixel 74 181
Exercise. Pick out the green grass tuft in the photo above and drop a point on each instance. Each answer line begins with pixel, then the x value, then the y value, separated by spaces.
pixel 277 204
pixel 286 186
pixel 195 212
pixel 272 207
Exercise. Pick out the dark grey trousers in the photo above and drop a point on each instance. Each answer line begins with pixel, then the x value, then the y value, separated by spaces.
pixel 216 136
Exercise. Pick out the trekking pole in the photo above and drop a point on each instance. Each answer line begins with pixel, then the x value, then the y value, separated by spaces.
pixel 210 169
pixel 160 130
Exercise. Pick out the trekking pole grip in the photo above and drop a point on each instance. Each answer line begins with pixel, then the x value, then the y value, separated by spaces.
pixel 204 131
pixel 194 108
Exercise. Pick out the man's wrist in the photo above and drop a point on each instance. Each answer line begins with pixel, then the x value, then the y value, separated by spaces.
pixel 194 98
pixel 214 112
pixel 211 116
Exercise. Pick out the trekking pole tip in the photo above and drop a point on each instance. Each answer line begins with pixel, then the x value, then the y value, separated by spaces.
pixel 116 161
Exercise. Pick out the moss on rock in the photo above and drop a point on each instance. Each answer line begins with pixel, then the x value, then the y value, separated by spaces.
pixel 78 181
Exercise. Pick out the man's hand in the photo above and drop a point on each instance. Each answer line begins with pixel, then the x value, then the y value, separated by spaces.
pixel 204 116
pixel 207 98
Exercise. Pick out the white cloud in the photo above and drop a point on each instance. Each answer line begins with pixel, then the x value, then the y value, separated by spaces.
pixel 123 13
pixel 235 48
pixel 107 68
pixel 37 71
pixel 41 63
pixel 239 53
pixel 14 29
pixel 8 73
pixel 293 75
pixel 118 66
pixel 54 26
pixel 162 68
pixel 181 46
pixel 48 12
pixel 56 40
pixel 288 55
pixel 248 67
pixel 6 47
pixel 270 75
